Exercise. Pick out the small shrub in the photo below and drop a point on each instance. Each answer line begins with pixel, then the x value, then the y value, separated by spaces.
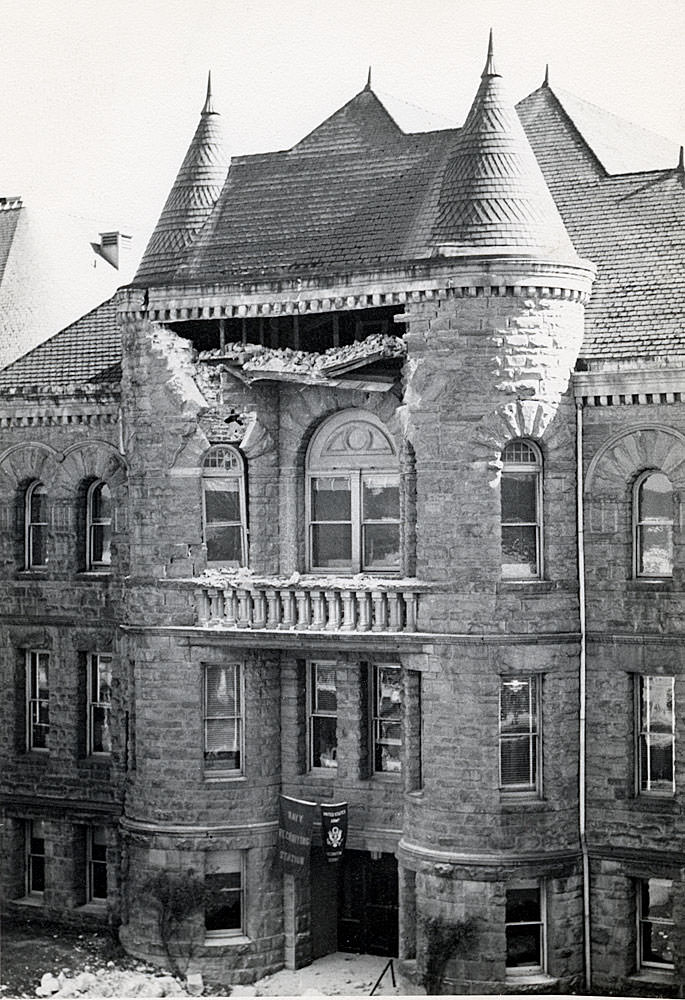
pixel 444 939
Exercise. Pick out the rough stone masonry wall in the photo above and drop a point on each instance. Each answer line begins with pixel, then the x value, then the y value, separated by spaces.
pixel 482 370
pixel 636 628
pixel 66 442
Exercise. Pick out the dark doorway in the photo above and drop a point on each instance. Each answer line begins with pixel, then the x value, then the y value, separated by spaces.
pixel 324 887
pixel 367 904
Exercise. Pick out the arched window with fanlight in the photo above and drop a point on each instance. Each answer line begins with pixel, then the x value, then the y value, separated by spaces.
pixel 224 507
pixel 35 526
pixel 653 525
pixel 98 526
pixel 521 497
pixel 353 497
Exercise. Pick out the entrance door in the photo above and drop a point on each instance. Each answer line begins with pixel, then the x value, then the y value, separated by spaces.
pixel 368 904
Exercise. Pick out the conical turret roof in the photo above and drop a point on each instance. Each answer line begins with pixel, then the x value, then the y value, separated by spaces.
pixel 493 197
pixel 195 191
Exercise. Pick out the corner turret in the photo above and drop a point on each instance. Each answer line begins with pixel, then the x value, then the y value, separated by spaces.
pixel 197 186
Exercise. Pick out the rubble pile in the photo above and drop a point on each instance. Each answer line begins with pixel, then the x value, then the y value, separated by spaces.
pixel 256 358
pixel 110 981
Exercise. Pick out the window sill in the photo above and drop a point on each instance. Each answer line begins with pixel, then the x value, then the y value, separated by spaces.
pixel 34 901
pixel 96 908
pixel 210 777
pixel 227 941
pixel 94 574
pixel 658 977
pixel 530 979
pixel 522 800
pixel 392 777
pixel 652 584
pixel 323 772
pixel 656 803
pixel 529 586
pixel 32 574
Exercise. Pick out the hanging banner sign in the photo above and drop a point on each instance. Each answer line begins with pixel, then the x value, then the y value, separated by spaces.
pixel 334 830
pixel 296 819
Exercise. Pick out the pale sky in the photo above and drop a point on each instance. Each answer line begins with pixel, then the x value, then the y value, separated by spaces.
pixel 100 98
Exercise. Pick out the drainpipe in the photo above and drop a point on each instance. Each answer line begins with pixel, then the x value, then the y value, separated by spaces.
pixel 582 735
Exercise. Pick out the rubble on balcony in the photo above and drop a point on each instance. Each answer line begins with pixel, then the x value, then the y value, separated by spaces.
pixel 236 599
pixel 255 362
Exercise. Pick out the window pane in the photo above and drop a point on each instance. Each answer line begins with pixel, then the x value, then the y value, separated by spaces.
pixel 222 741
pixel 331 545
pixel 657 696
pixel 381 498
pixel 519 551
pixel 389 693
pixel 516 706
pixel 656 498
pixel 38 545
pixel 101 538
pixel 222 693
pixel 39 505
pixel 656 549
pixel 222 500
pixel 517 760
pixel 223 908
pixel 331 499
pixel 520 452
pixel 519 491
pixel 101 504
pixel 324 741
pixel 657 902
pixel 381 546
pixel 325 694
pixel 524 945
pixel 37 874
pixel 102 739
pixel 224 544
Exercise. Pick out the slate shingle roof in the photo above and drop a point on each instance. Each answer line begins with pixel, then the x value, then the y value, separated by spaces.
pixel 88 350
pixel 493 194
pixel 194 193
pixel 632 226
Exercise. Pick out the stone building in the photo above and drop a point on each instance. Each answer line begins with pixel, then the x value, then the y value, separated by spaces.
pixel 297 513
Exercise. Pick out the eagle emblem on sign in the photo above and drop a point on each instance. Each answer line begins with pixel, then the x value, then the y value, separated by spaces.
pixel 335 836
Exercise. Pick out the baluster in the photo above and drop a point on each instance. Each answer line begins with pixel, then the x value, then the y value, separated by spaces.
pixel 288 602
pixel 244 609
pixel 258 609
pixel 349 611
pixel 230 608
pixel 274 603
pixel 410 604
pixel 302 599
pixel 202 606
pixel 219 606
pixel 364 611
pixel 211 593
pixel 395 612
pixel 318 611
pixel 380 612
pixel 333 601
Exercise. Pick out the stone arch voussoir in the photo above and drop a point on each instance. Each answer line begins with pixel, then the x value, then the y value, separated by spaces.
pixel 96 459
pixel 26 461
pixel 523 418
pixel 633 450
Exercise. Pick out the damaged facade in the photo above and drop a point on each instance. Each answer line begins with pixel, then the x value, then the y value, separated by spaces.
pixel 311 527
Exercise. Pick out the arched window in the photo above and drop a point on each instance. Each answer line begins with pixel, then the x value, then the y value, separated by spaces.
pixel 35 527
pixel 653 525
pixel 353 497
pixel 521 494
pixel 224 507
pixel 98 526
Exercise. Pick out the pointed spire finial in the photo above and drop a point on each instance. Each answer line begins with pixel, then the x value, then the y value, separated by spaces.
pixel 545 82
pixel 208 108
pixel 681 160
pixel 368 80
pixel 490 62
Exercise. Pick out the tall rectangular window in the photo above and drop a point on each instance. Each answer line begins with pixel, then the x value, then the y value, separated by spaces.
pixel 387 719
pixel 655 923
pixel 519 733
pixel 223 723
pixel 224 507
pixel 35 527
pixel 224 908
pixel 96 861
pixel 657 735
pixel 37 700
pixel 99 702
pixel 323 716
pixel 525 929
pixel 35 857
pixel 521 498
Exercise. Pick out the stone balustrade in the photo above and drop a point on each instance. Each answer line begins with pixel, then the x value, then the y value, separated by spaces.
pixel 300 607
